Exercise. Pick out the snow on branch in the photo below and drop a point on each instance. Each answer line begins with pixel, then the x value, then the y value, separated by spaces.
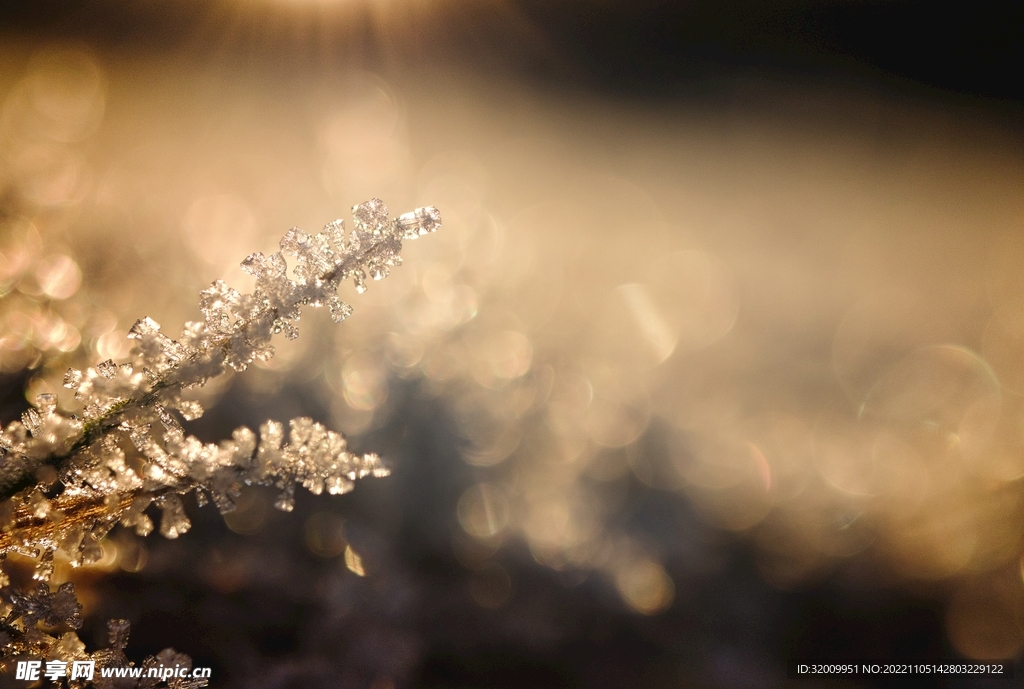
pixel 66 480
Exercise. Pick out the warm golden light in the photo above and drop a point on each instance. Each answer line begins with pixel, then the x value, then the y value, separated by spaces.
pixel 761 319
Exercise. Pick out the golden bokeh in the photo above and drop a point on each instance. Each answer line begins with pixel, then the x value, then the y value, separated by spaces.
pixel 825 333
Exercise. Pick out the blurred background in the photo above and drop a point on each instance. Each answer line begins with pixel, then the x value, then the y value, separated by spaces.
pixel 717 361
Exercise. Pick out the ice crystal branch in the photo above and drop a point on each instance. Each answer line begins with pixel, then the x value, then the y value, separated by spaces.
pixel 66 480
pixel 20 636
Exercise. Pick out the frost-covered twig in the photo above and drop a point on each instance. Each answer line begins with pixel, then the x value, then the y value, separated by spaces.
pixel 65 481
pixel 21 637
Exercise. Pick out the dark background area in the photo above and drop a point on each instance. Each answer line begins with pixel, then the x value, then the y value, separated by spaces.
pixel 629 49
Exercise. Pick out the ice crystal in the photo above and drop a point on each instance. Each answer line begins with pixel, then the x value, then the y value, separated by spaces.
pixel 44 569
pixel 43 606
pixel 92 484
pixel 117 630
pixel 20 636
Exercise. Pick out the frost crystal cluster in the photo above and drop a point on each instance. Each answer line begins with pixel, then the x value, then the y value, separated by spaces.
pixel 20 636
pixel 66 479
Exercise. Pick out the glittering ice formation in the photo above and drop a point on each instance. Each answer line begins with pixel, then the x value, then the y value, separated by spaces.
pixel 66 480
